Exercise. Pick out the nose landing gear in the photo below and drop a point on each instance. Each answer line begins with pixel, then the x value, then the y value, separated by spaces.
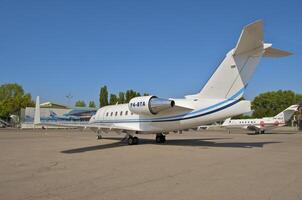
pixel 99 135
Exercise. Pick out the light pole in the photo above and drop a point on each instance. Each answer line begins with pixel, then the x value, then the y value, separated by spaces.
pixel 69 97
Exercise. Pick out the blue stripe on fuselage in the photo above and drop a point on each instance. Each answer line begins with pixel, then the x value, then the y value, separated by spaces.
pixel 184 116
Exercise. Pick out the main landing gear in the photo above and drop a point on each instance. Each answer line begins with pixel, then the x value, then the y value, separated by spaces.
pixel 260 132
pixel 160 138
pixel 132 140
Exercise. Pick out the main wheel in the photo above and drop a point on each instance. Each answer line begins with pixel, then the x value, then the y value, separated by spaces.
pixel 135 140
pixel 130 141
pixel 157 139
pixel 99 137
pixel 162 139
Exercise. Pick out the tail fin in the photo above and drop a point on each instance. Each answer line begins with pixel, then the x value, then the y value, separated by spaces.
pixel 286 114
pixel 232 76
pixel 52 113
pixel 37 119
pixel 226 122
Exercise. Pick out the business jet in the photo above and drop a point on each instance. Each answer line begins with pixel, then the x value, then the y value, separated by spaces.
pixel 219 99
pixel 263 124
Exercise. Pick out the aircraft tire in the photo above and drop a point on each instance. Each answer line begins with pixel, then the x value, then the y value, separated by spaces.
pixel 135 140
pixel 157 139
pixel 130 141
pixel 162 139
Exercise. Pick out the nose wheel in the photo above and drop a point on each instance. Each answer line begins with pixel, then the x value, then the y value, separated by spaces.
pixel 99 135
pixel 160 138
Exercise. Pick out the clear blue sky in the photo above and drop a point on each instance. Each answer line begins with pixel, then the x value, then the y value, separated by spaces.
pixel 166 48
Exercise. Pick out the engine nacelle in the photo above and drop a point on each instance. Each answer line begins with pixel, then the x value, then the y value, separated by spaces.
pixel 149 105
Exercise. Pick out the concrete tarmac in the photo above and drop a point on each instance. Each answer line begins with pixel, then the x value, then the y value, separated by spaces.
pixel 71 165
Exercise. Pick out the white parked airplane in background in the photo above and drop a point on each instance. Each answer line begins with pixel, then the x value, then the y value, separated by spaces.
pixel 219 99
pixel 262 124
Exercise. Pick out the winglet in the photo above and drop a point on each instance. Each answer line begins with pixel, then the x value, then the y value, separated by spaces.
pixel 37 112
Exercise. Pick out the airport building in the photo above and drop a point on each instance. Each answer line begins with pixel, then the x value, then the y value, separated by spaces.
pixel 55 112
pixel 300 118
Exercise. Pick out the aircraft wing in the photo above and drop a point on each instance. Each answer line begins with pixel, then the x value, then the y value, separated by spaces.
pixel 87 125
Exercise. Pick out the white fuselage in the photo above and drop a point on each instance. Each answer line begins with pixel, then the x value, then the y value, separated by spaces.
pixel 177 118
pixel 260 124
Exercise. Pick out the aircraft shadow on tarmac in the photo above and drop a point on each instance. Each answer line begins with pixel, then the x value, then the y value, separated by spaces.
pixel 204 142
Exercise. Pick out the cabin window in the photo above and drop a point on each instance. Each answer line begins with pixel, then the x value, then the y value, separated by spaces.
pixel 107 114
pixel 132 113
pixel 121 113
pixel 116 113
pixel 111 114
pixel 126 113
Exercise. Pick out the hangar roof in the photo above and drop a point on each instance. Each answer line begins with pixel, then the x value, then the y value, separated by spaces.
pixel 52 105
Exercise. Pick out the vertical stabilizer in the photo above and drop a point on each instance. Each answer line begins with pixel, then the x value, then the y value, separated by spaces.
pixel 226 122
pixel 233 74
pixel 286 114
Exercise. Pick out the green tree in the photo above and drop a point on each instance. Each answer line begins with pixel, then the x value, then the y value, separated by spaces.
pixel 103 96
pixel 121 97
pixel 91 104
pixel 12 99
pixel 80 103
pixel 113 99
pixel 131 94
pixel 146 94
pixel 272 103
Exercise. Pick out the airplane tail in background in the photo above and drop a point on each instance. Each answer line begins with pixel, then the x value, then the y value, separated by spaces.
pixel 226 122
pixel 232 76
pixel 52 113
pixel 286 114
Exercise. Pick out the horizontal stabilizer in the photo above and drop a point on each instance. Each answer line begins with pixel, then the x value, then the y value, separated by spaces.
pixel 273 52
